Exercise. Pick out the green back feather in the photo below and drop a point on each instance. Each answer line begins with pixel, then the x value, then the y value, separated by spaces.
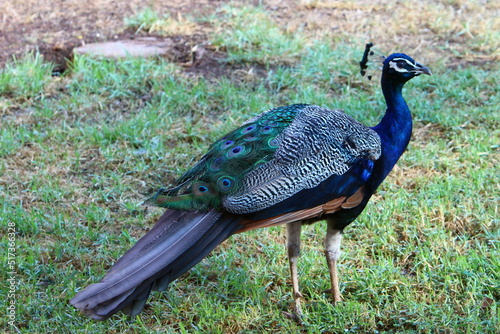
pixel 221 171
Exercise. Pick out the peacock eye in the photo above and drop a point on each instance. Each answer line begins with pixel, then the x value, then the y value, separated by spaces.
pixel 266 129
pixel 248 129
pixel 227 143
pixel 273 142
pixel 401 63
pixel 217 163
pixel 225 183
pixel 237 151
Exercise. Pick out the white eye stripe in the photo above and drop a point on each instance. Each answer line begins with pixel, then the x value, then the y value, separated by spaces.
pixel 403 59
pixel 394 64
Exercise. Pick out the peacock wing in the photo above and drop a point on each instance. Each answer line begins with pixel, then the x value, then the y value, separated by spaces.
pixel 222 170
pixel 320 147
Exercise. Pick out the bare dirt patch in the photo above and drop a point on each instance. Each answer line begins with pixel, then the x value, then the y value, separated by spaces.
pixel 56 27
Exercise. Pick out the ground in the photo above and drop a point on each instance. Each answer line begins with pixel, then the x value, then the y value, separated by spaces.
pixel 55 27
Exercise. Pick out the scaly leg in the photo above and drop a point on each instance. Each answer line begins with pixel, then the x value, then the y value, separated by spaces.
pixel 293 246
pixel 332 253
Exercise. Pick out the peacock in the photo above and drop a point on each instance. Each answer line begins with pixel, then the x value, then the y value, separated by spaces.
pixel 294 165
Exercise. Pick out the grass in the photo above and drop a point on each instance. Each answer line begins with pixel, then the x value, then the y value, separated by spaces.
pixel 250 35
pixel 148 20
pixel 79 153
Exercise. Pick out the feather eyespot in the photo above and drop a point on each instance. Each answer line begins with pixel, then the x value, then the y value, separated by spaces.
pixel 217 163
pixel 273 142
pixel 227 143
pixel 251 136
pixel 235 151
pixel 266 129
pixel 201 188
pixel 248 129
pixel 225 183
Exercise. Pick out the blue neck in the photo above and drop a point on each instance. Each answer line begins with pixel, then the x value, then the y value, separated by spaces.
pixel 394 129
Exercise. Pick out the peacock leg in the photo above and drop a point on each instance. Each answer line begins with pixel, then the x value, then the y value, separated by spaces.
pixel 332 253
pixel 293 245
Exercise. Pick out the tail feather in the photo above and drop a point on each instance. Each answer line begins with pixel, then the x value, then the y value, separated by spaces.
pixel 177 242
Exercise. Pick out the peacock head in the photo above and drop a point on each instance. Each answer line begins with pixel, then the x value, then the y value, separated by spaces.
pixel 402 67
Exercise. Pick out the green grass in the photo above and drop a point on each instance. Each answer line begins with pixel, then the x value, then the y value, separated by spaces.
pixel 250 35
pixel 79 153
pixel 147 20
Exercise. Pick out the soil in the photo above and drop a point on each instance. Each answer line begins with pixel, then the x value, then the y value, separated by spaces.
pixel 56 27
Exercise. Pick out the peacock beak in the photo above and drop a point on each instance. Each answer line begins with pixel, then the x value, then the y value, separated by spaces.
pixel 421 69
